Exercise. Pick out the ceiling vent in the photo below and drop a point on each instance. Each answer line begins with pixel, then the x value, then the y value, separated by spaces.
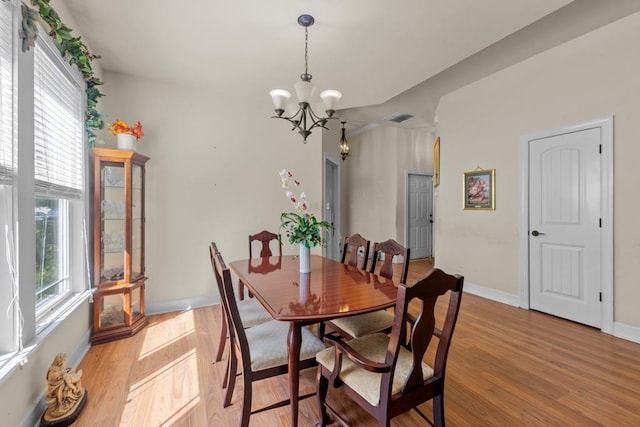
pixel 398 117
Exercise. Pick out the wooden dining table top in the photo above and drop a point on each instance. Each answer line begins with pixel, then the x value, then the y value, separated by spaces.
pixel 331 289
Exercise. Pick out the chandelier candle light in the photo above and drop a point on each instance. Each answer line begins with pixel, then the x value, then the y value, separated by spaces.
pixel 305 119
pixel 345 150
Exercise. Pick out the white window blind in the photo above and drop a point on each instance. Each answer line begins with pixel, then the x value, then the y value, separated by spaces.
pixel 6 93
pixel 58 126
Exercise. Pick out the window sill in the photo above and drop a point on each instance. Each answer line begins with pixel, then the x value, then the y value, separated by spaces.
pixel 17 359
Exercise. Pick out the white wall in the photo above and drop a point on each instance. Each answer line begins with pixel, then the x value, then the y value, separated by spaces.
pixel 376 179
pixel 213 175
pixel 587 78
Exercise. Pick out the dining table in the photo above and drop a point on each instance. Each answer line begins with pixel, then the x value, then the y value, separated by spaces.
pixel 328 291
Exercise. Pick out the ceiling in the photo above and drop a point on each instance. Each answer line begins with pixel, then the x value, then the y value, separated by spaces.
pixel 384 56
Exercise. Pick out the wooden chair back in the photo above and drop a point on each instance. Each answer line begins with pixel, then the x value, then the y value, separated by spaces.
pixel 433 285
pixel 390 248
pixel 265 238
pixel 352 245
pixel 225 286
pixel 224 311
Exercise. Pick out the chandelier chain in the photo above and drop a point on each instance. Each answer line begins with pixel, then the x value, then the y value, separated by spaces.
pixel 306 50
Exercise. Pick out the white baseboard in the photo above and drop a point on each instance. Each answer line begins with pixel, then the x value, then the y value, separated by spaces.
pixel 630 333
pixel 180 305
pixel 492 294
pixel 620 330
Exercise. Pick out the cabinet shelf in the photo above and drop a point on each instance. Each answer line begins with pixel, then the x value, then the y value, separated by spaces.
pixel 119 270
pixel 113 251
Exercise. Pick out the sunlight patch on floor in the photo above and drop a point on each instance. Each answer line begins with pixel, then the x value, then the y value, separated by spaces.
pixel 158 336
pixel 165 394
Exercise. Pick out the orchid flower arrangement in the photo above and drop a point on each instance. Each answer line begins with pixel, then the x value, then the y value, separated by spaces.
pixel 120 126
pixel 301 226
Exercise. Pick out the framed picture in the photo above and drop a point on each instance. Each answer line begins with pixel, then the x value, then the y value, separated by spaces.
pixel 479 189
pixel 436 162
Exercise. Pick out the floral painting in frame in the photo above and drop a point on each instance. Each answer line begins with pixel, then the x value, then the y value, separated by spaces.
pixel 479 189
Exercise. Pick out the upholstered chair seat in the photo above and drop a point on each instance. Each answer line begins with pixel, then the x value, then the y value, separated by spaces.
pixel 364 324
pixel 268 344
pixel 367 383
pixel 253 313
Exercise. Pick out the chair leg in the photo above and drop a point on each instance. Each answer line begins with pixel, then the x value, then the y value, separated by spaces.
pixel 246 401
pixel 223 335
pixel 232 366
pixel 321 330
pixel 321 395
pixel 438 410
pixel 225 380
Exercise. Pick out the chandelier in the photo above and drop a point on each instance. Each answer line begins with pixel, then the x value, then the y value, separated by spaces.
pixel 305 119
pixel 345 150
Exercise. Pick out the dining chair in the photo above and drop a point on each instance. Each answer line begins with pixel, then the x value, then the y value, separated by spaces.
pixel 351 248
pixel 381 320
pixel 350 255
pixel 384 376
pixel 262 349
pixel 250 310
pixel 264 238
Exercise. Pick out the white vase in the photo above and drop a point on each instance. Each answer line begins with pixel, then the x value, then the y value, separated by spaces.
pixel 305 254
pixel 126 142
pixel 304 288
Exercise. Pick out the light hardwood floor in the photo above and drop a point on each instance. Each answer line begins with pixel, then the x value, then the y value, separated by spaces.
pixel 507 367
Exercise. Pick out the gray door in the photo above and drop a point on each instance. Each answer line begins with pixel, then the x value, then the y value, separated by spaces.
pixel 332 208
pixel 420 215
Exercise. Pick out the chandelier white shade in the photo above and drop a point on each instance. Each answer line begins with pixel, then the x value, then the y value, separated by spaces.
pixel 302 116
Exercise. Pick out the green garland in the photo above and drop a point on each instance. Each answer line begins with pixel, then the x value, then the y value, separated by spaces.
pixel 77 53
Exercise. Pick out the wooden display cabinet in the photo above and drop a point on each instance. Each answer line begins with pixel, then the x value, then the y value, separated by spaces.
pixel 119 270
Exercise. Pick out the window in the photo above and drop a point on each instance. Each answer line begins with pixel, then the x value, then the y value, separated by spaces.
pixel 42 188
pixel 58 153
pixel 52 262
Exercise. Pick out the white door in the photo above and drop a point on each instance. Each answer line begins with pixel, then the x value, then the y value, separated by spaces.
pixel 565 225
pixel 420 215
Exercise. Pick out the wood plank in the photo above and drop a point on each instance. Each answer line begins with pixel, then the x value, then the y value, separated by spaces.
pixel 507 366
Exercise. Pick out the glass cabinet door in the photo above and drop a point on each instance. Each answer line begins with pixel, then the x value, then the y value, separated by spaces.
pixel 137 223
pixel 112 222
pixel 112 310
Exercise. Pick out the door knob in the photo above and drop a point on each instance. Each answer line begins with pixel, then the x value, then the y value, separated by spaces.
pixel 536 233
